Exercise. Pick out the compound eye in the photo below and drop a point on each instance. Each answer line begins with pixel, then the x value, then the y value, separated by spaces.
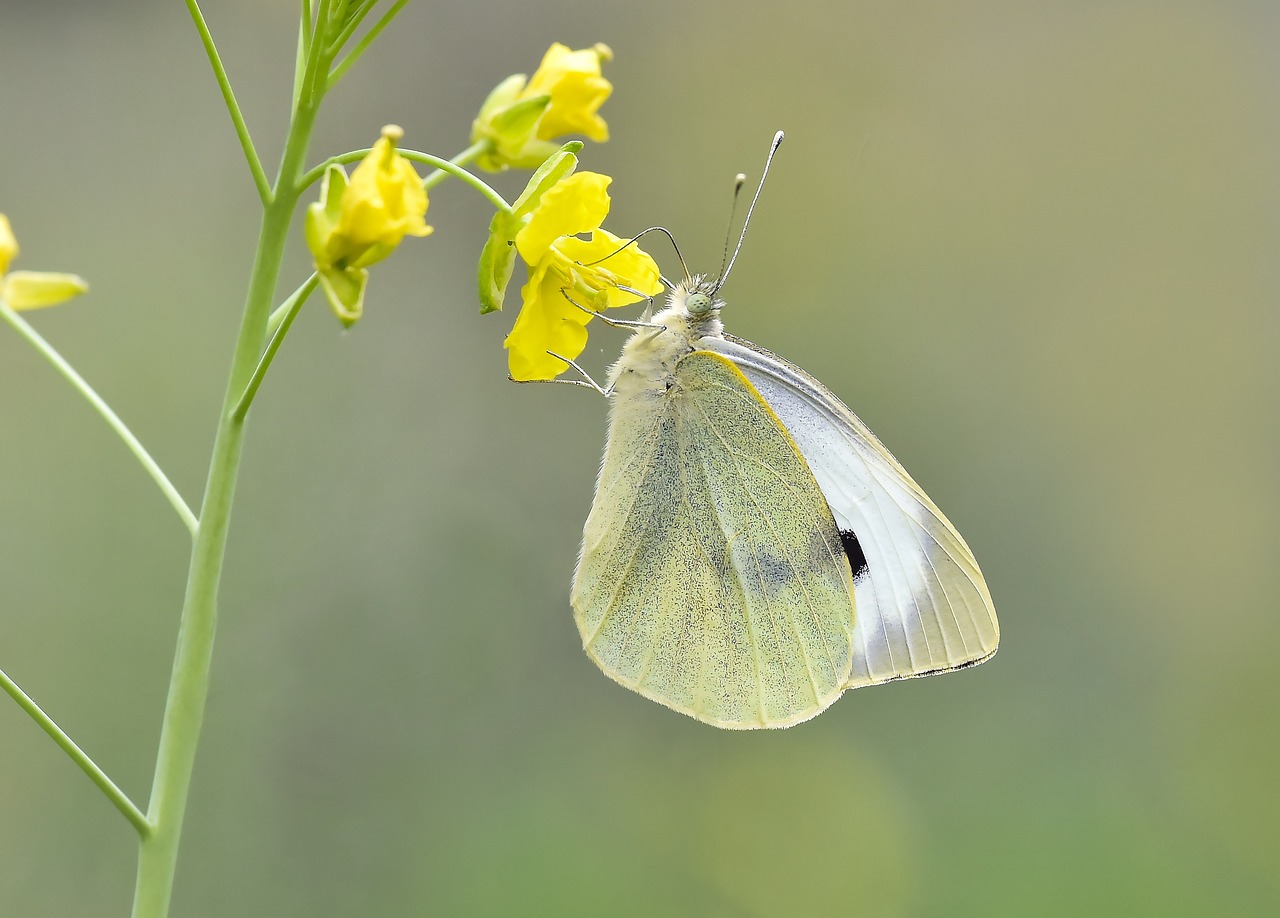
pixel 697 304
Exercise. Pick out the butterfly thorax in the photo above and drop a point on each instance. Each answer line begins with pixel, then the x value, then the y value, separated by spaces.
pixel 648 361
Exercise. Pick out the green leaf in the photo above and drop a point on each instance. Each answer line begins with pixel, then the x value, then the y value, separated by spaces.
pixel 497 261
pixel 555 167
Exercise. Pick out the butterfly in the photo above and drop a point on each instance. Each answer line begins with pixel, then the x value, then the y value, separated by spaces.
pixel 753 550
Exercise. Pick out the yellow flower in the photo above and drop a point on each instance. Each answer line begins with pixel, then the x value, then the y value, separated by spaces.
pixel 32 289
pixel 561 269
pixel 577 89
pixel 360 221
pixel 522 116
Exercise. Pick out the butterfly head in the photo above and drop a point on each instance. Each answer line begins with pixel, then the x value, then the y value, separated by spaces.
pixel 697 298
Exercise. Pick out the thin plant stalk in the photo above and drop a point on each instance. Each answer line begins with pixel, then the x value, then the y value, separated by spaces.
pixel 117 797
pixel 134 445
pixel 189 683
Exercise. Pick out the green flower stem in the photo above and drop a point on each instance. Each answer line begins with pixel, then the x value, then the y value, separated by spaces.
pixel 288 311
pixel 233 107
pixel 443 165
pixel 462 159
pixel 291 303
pixel 87 765
pixel 36 340
pixel 189 684
pixel 339 71
pixel 305 17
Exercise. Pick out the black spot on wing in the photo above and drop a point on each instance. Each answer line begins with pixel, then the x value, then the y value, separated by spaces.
pixel 853 551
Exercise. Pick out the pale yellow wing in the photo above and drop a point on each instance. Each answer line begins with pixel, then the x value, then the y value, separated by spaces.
pixel 712 577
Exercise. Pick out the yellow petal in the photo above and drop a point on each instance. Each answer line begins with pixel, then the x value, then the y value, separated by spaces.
pixel 577 204
pixel 621 267
pixel 577 89
pixel 8 244
pixel 37 289
pixel 384 200
pixel 550 321
pixel 547 322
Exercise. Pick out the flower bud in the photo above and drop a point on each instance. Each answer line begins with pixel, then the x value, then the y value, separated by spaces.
pixel 522 116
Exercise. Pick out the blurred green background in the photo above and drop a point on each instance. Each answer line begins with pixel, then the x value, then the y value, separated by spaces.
pixel 1033 244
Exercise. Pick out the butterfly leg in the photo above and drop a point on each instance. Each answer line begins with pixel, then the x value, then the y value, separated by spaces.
pixel 617 323
pixel 586 382
pixel 591 383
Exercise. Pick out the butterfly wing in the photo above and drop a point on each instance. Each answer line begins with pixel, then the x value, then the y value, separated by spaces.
pixel 712 577
pixel 922 604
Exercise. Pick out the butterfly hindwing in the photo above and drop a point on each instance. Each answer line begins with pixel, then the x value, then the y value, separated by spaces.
pixel 712 577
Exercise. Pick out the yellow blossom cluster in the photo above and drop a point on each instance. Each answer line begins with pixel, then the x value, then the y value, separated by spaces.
pixel 576 268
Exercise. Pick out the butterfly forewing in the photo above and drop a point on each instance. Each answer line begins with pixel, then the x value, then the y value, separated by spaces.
pixel 712 577
pixel 922 604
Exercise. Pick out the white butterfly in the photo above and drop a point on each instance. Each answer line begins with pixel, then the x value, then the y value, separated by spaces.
pixel 753 550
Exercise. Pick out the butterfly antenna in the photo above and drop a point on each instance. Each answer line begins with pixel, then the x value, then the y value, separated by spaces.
pixel 773 148
pixel 738 181
pixel 636 238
